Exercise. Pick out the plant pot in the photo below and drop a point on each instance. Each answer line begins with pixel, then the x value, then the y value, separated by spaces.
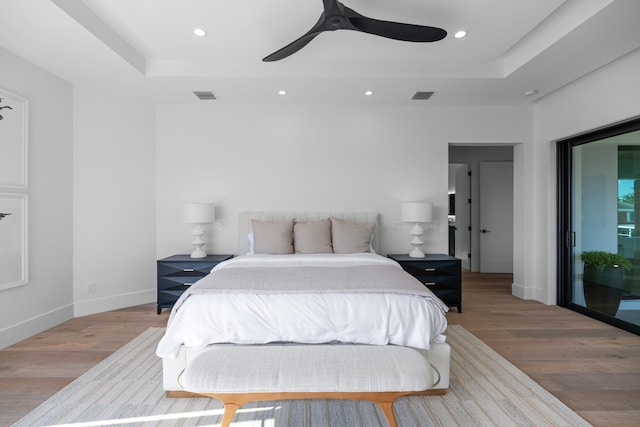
pixel 603 288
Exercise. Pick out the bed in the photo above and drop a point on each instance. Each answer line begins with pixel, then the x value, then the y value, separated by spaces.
pixel 327 285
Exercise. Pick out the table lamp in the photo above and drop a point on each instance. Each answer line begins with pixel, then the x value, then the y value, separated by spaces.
pixel 198 214
pixel 417 212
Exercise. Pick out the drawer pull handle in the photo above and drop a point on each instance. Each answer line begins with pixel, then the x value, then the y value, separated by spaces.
pixel 430 283
pixel 429 269
pixel 188 270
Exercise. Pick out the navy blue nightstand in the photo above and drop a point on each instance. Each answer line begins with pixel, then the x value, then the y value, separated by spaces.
pixel 176 273
pixel 441 273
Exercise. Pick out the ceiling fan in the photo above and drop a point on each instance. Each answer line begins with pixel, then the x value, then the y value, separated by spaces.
pixel 337 16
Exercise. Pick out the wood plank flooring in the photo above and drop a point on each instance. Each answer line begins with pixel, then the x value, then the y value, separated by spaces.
pixel 590 366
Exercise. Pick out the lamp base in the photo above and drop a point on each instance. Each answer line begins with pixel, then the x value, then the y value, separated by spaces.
pixel 198 242
pixel 416 242
pixel 416 253
pixel 198 253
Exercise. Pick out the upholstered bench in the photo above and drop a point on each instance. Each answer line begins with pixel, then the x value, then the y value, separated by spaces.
pixel 237 375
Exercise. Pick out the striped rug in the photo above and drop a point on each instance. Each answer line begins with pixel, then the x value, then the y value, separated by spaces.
pixel 126 389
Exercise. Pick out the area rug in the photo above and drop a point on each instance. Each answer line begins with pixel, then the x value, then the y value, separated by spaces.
pixel 126 389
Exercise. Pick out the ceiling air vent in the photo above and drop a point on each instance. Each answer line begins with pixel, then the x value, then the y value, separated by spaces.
pixel 204 95
pixel 422 95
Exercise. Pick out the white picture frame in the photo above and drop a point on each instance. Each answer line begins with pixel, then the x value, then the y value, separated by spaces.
pixel 14 129
pixel 14 252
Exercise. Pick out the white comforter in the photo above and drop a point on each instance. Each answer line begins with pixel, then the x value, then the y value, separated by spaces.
pixel 352 302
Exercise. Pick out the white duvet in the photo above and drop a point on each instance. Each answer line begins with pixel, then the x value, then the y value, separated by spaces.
pixel 354 298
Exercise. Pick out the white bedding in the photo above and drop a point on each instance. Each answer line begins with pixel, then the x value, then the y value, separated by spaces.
pixel 353 305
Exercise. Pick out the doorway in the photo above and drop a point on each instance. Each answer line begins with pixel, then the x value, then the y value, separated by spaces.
pixel 481 180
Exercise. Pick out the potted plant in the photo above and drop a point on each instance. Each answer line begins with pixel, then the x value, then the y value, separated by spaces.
pixel 603 280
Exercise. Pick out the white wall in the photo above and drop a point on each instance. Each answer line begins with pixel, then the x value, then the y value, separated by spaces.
pixel 315 158
pixel 47 299
pixel 606 96
pixel 114 208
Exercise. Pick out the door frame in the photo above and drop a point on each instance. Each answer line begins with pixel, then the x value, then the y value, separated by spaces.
pixel 472 155
pixel 463 237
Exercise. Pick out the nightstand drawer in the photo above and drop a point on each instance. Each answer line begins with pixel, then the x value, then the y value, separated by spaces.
pixel 169 282
pixel 439 282
pixel 168 297
pixel 182 268
pixel 449 297
pixel 436 268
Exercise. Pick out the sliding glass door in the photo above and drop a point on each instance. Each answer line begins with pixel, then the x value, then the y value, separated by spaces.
pixel 599 231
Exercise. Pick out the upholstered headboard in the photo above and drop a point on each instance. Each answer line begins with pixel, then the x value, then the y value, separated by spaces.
pixel 244 222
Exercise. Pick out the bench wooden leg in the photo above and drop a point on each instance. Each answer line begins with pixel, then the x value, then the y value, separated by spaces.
pixel 387 411
pixel 229 411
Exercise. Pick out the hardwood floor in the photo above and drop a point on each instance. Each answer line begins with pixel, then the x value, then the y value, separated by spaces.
pixel 33 370
pixel 590 366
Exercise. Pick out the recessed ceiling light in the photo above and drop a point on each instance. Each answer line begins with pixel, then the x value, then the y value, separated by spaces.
pixel 199 32
pixel 368 93
pixel 282 92
pixel 460 34
pixel 530 92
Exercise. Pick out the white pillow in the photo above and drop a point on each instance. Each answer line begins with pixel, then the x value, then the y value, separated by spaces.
pixel 250 237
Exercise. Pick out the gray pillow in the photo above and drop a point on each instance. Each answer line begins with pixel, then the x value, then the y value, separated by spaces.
pixel 351 237
pixel 272 237
pixel 312 237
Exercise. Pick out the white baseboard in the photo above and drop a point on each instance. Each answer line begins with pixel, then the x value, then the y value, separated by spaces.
pixel 525 293
pixel 115 302
pixel 35 325
pixel 30 327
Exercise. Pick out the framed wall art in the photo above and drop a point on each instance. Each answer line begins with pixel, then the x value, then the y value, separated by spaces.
pixel 13 240
pixel 14 127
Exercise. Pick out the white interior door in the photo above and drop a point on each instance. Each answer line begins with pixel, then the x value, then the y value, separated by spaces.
pixel 496 217
pixel 463 216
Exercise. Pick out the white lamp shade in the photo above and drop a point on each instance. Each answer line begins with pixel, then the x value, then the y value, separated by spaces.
pixel 417 212
pixel 198 213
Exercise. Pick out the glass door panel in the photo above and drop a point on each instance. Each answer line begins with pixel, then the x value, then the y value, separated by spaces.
pixel 605 192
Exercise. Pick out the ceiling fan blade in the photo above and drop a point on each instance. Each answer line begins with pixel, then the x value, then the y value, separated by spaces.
pixel 395 30
pixel 291 48
pixel 297 44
